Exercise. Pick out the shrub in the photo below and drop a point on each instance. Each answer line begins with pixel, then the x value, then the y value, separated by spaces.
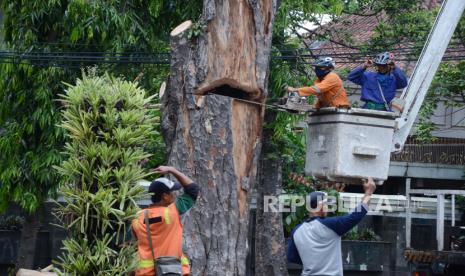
pixel 11 222
pixel 361 235
pixel 109 124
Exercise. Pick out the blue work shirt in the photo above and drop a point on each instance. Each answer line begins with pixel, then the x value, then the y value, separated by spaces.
pixel 369 82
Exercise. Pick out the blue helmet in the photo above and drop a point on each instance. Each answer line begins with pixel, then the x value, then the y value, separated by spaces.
pixel 324 62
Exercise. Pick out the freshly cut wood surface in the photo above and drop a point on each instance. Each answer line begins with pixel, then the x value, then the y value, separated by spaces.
pixel 181 28
pixel 162 90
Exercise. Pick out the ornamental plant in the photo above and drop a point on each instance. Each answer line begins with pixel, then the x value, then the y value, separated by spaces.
pixel 108 123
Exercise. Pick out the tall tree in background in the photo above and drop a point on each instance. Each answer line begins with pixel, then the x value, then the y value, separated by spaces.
pixel 30 142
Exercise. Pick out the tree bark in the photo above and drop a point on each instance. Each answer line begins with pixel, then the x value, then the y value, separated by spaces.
pixel 216 138
pixel 28 240
pixel 270 256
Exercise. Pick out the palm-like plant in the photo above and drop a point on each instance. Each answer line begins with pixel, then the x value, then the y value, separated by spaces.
pixel 108 123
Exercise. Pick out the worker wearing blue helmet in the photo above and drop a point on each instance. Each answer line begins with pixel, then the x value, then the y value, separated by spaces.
pixel 379 88
pixel 328 88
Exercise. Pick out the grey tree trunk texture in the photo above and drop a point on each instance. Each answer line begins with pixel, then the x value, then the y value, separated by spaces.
pixel 210 135
pixel 28 240
pixel 270 256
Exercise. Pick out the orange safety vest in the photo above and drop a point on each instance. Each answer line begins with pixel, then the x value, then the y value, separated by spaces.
pixel 166 232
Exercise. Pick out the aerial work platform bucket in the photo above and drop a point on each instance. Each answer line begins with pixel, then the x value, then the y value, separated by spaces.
pixel 349 145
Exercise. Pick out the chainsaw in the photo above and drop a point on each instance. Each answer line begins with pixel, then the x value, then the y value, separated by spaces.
pixel 294 103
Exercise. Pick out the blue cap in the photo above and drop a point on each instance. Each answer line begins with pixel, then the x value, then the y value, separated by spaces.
pixel 163 185
pixel 317 197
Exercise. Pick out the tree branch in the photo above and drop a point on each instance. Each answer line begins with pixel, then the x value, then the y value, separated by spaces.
pixel 362 14
pixel 331 40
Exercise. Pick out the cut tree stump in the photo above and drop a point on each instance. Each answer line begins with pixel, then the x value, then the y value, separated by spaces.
pixel 215 138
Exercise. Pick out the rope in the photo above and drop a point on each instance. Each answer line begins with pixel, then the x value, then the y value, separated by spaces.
pixel 268 106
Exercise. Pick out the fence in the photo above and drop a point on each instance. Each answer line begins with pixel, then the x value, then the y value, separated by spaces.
pixel 443 151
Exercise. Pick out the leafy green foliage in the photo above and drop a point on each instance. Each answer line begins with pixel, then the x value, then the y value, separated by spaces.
pixel 293 14
pixel 117 25
pixel 292 219
pixel 356 234
pixel 29 139
pixel 99 255
pixel 448 87
pixel 288 140
pixel 108 126
pixel 408 27
pixel 196 30
pixel 12 223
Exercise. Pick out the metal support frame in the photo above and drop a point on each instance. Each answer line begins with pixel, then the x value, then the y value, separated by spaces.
pixel 437 192
pixel 408 214
pixel 440 195
pixel 426 67
pixel 440 222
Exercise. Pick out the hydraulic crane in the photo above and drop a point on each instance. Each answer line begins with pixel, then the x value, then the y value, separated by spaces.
pixel 351 144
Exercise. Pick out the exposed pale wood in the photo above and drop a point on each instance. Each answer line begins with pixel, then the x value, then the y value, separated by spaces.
pixel 162 90
pixel 47 269
pixel 181 28
pixel 27 272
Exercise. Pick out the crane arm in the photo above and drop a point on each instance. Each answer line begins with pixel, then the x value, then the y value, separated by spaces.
pixel 426 67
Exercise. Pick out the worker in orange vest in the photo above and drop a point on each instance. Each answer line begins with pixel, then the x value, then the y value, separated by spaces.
pixel 327 88
pixel 164 220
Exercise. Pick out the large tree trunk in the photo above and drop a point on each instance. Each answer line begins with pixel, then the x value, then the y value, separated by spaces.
pixel 215 138
pixel 270 256
pixel 28 240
